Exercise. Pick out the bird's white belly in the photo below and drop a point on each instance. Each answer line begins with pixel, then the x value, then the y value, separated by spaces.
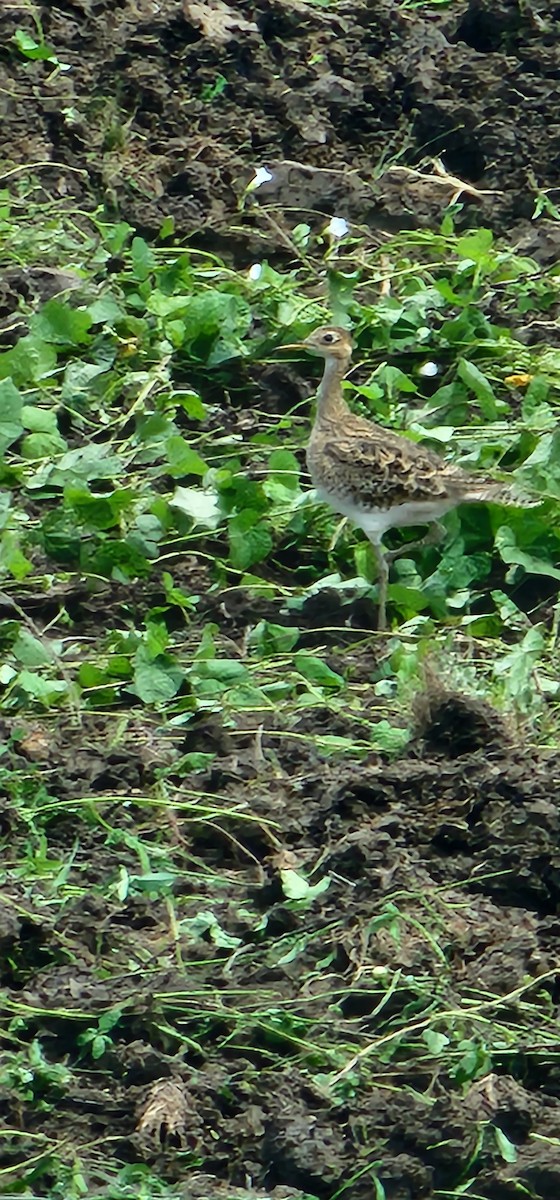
pixel 376 521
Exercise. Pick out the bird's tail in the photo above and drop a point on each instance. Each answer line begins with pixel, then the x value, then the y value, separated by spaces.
pixel 494 492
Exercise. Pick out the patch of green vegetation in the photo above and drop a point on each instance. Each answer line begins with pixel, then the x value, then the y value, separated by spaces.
pixel 153 473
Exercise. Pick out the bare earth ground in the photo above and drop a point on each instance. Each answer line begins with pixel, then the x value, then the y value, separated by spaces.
pixel 343 89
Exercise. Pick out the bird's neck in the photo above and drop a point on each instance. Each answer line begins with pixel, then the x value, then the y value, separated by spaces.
pixel 330 402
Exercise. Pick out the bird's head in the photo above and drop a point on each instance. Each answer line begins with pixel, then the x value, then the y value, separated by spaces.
pixel 328 341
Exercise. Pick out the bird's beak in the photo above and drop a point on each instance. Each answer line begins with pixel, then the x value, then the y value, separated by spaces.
pixel 294 346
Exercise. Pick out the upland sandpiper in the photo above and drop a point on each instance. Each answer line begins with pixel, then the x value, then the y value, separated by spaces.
pixel 376 478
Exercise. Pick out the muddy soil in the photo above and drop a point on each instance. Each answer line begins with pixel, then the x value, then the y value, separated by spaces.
pixel 166 112
pixel 169 107
pixel 461 834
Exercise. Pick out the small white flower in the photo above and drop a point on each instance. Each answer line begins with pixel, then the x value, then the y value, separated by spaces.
pixel 262 175
pixel 337 227
pixel 429 369
pixel 255 271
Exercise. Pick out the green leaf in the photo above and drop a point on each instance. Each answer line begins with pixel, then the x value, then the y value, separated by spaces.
pixel 511 553
pixel 29 361
pixel 30 652
pixel 39 420
pixel 517 666
pixel 105 311
pixel 45 690
pixel 541 471
pixel 268 638
pixel 98 1046
pixel 478 383
pixel 156 679
pixel 475 245
pixel 506 1148
pixel 79 378
pixel 436 1042
pixel 395 380
pixel 11 427
pixel 114 559
pixel 191 403
pixel 60 324
pixel 317 671
pixel 387 737
pixel 98 512
pixel 225 670
pixel 295 887
pixel 35 51
pixel 43 445
pixel 182 459
pixel 196 760
pixel 88 463
pixel 282 484
pixel 12 558
pixel 143 261
pixel 201 505
pixel 206 924
pixel 249 539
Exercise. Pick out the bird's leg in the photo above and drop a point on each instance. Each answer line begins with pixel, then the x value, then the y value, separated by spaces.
pixel 434 535
pixel 382 581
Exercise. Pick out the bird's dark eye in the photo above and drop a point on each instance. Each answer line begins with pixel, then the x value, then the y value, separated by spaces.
pixel 329 337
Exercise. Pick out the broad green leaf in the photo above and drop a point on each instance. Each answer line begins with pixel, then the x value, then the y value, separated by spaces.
pixel 387 737
pixel 35 51
pixel 541 471
pixel 512 554
pixel 201 505
pixel 295 887
pixel 197 760
pixel 30 652
pixel 45 690
pixel 118 560
pixel 43 445
pixel 282 484
pixel 191 403
pixel 225 670
pixel 436 1042
pixel 157 638
pixel 60 324
pixel 79 379
pixel 395 380
pixel 249 539
pixel 11 427
pixel 182 459
pixel 143 260
pixel 205 924
pixel 87 463
pixel 478 383
pixel 39 420
pixel 470 325
pixel 98 512
pixel 12 558
pixel 157 883
pixel 30 360
pixel 475 245
pixel 506 1148
pixel 105 311
pixel 268 638
pixel 317 671
pixel 517 666
pixel 156 680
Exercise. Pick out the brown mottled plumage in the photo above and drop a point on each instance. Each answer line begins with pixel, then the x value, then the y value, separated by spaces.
pixel 376 478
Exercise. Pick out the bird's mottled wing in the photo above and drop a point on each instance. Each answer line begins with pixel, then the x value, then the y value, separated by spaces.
pixel 381 474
